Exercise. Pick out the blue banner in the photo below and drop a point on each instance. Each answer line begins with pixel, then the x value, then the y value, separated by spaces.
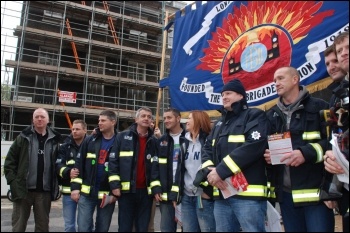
pixel 222 40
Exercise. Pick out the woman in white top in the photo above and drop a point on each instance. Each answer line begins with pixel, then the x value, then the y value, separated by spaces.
pixel 197 205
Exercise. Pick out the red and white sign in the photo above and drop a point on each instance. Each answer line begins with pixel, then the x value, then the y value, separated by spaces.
pixel 67 97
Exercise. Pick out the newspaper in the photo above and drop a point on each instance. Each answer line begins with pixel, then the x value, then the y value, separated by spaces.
pixel 279 145
pixel 272 223
pixel 235 184
pixel 106 199
pixel 341 160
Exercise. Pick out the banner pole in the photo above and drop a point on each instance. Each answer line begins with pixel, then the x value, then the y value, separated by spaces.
pixel 160 90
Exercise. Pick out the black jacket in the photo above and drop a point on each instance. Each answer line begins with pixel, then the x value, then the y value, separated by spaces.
pixel 123 164
pixel 237 143
pixel 162 168
pixel 86 162
pixel 67 156
pixel 309 136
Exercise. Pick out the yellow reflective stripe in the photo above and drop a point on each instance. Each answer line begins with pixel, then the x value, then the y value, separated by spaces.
pixel 61 171
pixel 91 156
pixel 216 192
pixel 305 195
pixel 231 164
pixel 125 185
pixel 126 153
pixel 77 180
pixel 164 196
pixel 155 183
pixel 175 188
pixel 311 135
pixel 113 178
pixel 163 160
pixel 149 190
pixel 255 191
pixel 207 164
pixel 213 142
pixel 102 193
pixel 85 189
pixel 319 152
pixel 70 162
pixel 65 189
pixel 236 138
pixel 204 183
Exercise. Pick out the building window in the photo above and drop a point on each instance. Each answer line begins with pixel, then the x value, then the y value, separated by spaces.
pixel 44 89
pixel 135 99
pixel 137 71
pixel 95 93
pixel 52 17
pixel 48 56
pixel 99 27
pixel 97 65
pixel 138 36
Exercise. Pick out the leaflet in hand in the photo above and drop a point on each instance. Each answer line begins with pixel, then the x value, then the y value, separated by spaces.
pixel 235 184
pixel 341 160
pixel 279 146
pixel 106 199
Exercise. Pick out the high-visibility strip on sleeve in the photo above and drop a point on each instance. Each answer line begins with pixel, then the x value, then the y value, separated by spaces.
pixel 77 180
pixel 155 183
pixel 70 162
pixel 85 189
pixel 207 164
pixel 114 178
pixel 61 171
pixel 175 188
pixel 231 164
pixel 125 185
pixel 319 151
pixel 126 153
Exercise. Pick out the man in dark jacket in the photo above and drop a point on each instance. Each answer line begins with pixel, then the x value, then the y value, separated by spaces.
pixel 91 186
pixel 65 169
pixel 296 181
pixel 130 173
pixel 234 147
pixel 30 171
pixel 170 153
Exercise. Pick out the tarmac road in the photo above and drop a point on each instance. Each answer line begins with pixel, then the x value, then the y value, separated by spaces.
pixel 57 224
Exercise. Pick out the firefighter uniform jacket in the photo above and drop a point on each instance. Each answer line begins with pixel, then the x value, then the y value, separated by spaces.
pixel 162 167
pixel 309 136
pixel 86 162
pixel 66 161
pixel 237 144
pixel 123 164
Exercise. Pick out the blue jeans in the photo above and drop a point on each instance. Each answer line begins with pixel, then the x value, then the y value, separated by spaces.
pixel 167 220
pixel 194 218
pixel 134 208
pixel 312 218
pixel 233 213
pixel 86 208
pixel 69 210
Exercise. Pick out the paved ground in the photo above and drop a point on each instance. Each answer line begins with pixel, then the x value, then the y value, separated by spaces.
pixel 57 225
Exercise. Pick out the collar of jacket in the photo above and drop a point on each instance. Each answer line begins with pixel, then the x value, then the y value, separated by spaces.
pixel 237 108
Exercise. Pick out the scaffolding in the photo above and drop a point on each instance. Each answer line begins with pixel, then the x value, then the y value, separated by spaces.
pixel 108 53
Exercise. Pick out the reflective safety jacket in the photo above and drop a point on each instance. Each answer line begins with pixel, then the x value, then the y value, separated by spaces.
pixel 66 161
pixel 123 164
pixel 162 168
pixel 237 144
pixel 309 136
pixel 86 162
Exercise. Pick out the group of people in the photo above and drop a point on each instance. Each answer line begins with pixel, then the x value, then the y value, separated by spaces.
pixel 188 168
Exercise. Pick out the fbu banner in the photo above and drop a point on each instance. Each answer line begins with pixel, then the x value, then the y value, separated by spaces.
pixel 249 40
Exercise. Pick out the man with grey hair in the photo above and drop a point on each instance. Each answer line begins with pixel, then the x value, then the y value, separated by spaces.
pixel 30 171
pixel 130 171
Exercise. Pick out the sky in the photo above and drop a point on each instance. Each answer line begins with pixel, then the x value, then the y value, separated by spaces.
pixel 10 18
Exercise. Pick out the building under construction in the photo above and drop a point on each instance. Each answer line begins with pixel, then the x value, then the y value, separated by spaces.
pixel 76 59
